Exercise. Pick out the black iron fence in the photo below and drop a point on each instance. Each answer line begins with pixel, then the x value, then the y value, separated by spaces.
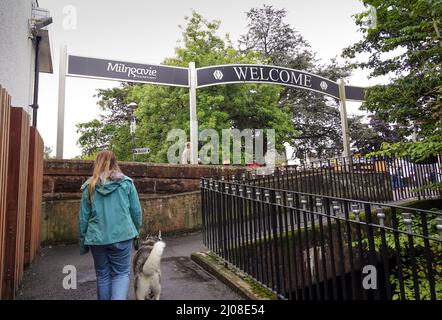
pixel 306 246
pixel 376 179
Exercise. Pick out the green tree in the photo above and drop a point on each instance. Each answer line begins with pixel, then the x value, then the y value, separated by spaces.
pixel 161 109
pixel 275 39
pixel 94 136
pixel 405 44
pixel 111 130
pixel 315 116
pixel 47 153
pixel 368 137
pixel 238 106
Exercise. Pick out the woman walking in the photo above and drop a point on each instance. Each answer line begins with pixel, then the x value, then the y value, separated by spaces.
pixel 110 217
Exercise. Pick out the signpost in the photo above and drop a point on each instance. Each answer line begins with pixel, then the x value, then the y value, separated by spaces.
pixel 225 74
pixel 127 71
pixel 249 73
pixel 195 78
pixel 141 151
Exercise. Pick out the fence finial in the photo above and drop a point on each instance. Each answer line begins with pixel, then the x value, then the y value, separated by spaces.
pixel 381 215
pixel 319 203
pixel 336 207
pixel 289 199
pixel 356 211
pixel 249 192
pixel 267 195
pixel 439 226
pixel 407 221
pixel 278 197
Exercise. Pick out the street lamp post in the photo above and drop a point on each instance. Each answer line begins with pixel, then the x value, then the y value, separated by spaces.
pixel 133 124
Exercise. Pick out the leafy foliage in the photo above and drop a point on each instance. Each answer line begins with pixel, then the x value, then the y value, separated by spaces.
pixel 161 109
pixel 406 45
pixel 275 39
pixel 111 130
pixel 405 244
pixel 47 153
pixel 369 138
pixel 315 117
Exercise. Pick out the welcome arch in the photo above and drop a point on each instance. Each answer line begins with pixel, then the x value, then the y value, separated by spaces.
pixel 195 78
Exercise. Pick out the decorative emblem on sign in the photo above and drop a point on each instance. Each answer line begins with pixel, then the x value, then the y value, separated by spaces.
pixel 323 85
pixel 217 74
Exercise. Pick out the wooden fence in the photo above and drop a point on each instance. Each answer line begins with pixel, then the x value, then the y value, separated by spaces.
pixel 5 101
pixel 21 178
pixel 34 196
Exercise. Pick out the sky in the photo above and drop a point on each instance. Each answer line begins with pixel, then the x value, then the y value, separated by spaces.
pixel 148 32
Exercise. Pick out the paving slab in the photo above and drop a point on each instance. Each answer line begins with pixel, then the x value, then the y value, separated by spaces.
pixel 182 279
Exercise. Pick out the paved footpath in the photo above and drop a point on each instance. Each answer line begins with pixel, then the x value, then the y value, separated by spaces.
pixel 182 279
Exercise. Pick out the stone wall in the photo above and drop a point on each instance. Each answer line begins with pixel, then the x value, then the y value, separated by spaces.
pixel 63 178
pixel 169 196
pixel 168 213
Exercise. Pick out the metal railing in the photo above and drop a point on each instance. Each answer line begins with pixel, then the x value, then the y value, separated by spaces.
pixel 306 246
pixel 376 179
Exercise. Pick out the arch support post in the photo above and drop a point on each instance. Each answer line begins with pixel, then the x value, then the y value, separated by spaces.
pixel 61 101
pixel 193 115
pixel 344 120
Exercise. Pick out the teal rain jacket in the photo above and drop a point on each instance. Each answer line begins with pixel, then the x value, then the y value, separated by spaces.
pixel 114 215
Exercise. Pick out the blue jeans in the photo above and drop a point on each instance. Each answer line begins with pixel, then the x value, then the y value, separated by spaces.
pixel 112 267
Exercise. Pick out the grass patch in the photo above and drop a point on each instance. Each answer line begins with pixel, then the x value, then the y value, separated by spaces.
pixel 255 287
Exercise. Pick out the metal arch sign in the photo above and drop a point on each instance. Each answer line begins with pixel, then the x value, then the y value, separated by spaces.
pixel 194 78
pixel 127 71
pixel 248 73
pixel 353 93
pixel 79 66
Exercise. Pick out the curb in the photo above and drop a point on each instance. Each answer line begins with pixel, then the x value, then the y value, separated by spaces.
pixel 231 278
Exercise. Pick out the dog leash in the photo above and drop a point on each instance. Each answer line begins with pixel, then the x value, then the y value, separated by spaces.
pixel 136 242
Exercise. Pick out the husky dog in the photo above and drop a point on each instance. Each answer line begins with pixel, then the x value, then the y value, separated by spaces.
pixel 146 267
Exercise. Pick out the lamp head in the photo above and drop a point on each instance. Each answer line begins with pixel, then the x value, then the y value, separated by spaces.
pixel 132 105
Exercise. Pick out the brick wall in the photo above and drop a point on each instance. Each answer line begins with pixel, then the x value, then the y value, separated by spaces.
pixel 63 178
pixel 169 196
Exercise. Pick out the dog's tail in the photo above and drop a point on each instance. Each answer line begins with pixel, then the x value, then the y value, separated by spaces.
pixel 152 263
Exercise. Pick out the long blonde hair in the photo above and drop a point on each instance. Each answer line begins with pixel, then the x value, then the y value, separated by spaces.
pixel 104 165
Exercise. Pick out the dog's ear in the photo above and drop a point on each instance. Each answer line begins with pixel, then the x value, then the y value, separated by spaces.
pixel 159 234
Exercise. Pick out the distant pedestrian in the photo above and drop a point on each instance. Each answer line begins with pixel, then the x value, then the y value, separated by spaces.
pixel 186 155
pixel 110 217
pixel 395 171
